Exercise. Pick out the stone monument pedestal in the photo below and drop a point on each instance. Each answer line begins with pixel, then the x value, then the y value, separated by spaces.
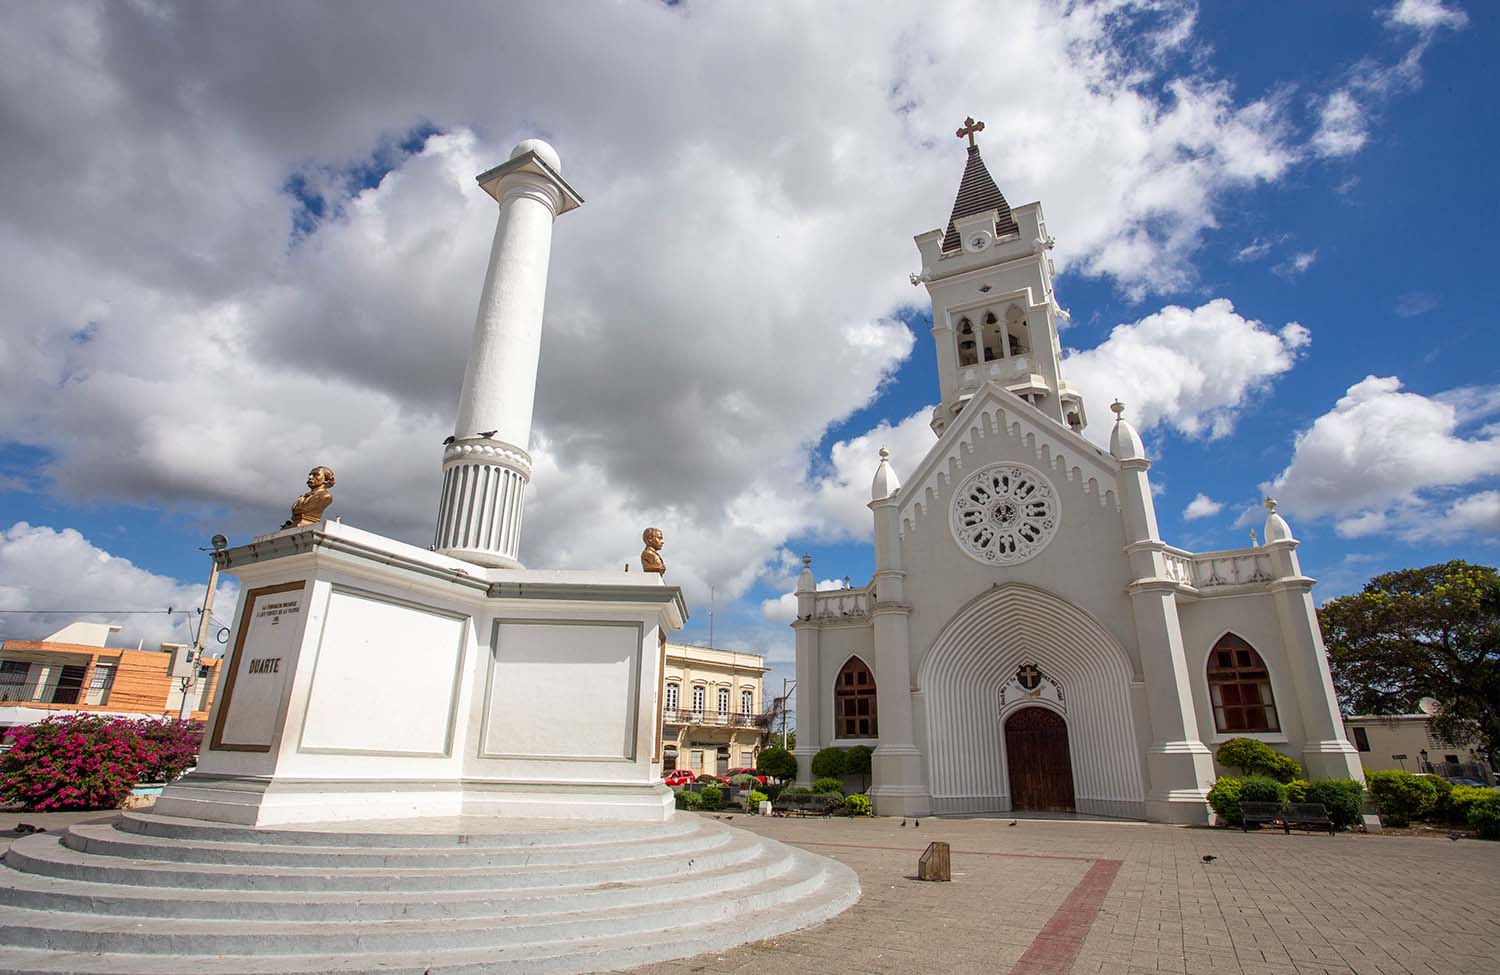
pixel 371 679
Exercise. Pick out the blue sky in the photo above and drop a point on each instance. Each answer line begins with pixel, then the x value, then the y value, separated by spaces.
pixel 221 275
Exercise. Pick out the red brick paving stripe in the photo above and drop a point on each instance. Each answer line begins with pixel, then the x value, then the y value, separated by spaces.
pixel 1053 951
pixel 968 853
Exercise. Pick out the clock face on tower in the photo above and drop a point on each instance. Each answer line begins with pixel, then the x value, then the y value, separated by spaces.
pixel 1004 514
pixel 978 241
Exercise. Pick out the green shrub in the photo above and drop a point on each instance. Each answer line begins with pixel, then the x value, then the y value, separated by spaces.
pixel 1282 769
pixel 1296 791
pixel 1262 788
pixel 772 790
pixel 1463 797
pixel 1343 798
pixel 711 797
pixel 754 799
pixel 1253 757
pixel 859 805
pixel 776 762
pixel 857 762
pixel 1246 754
pixel 1441 811
pixel 797 791
pixel 689 800
pixel 828 786
pixel 1224 797
pixel 828 763
pixel 1484 816
pixel 1401 796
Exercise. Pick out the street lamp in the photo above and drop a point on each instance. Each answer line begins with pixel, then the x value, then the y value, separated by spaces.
pixel 219 543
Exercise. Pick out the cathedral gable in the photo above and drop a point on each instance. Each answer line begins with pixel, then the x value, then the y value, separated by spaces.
pixel 997 427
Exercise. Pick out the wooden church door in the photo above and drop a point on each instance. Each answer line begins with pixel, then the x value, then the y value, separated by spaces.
pixel 1041 772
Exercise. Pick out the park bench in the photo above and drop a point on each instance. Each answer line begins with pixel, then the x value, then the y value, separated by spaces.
pixel 1304 815
pixel 813 805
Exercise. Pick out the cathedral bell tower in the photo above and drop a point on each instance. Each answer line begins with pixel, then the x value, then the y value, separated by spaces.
pixel 994 316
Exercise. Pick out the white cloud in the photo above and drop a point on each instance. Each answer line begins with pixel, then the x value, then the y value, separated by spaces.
pixel 841 493
pixel 1190 369
pixel 1372 461
pixel 1296 264
pixel 1258 248
pixel 1414 303
pixel 1427 15
pixel 1342 127
pixel 1201 507
pixel 45 569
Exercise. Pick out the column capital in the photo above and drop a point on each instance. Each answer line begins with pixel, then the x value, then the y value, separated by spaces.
pixel 530 170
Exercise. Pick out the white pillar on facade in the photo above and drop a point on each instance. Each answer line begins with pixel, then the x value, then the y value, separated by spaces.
pixel 1178 765
pixel 899 787
pixel 486 466
pixel 1326 752
pixel 809 690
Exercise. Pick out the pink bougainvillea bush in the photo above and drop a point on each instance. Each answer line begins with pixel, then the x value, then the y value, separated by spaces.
pixel 91 761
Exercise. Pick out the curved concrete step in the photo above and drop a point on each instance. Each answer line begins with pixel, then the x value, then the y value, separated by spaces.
pixel 106 841
pixel 439 833
pixel 44 853
pixel 95 933
pixel 101 907
pixel 40 892
pixel 596 954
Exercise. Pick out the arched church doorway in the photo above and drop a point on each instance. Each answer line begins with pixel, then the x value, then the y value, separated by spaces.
pixel 1041 770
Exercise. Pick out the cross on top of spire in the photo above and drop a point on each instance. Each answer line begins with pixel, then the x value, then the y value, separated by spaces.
pixel 969 128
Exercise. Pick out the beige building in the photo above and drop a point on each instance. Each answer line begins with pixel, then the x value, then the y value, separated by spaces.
pixel 713 709
pixel 1408 742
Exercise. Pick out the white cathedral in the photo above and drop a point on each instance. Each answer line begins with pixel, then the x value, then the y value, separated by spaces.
pixel 1028 641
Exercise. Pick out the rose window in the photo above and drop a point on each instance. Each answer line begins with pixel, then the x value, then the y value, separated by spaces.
pixel 1004 514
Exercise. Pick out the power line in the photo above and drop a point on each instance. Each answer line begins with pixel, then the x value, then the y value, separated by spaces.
pixel 169 611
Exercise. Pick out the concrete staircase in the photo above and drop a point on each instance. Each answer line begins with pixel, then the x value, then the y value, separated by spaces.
pixel 152 894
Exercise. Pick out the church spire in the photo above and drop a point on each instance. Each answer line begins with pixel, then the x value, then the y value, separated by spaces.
pixel 977 192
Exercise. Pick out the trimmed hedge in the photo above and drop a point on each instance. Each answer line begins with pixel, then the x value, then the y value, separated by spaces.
pixel 711 797
pixel 1254 757
pixel 1224 797
pixel 1262 788
pixel 1402 796
pixel 828 786
pixel 828 763
pixel 859 805
pixel 776 762
pixel 1343 798
pixel 1296 790
pixel 1484 816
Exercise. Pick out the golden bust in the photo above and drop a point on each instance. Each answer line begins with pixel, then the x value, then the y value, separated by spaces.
pixel 651 554
pixel 308 509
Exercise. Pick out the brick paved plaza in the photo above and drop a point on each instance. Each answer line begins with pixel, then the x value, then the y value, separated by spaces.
pixel 1126 898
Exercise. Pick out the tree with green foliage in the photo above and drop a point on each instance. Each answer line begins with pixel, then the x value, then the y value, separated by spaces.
pixel 1415 633
pixel 776 762
pixel 1402 796
pixel 828 763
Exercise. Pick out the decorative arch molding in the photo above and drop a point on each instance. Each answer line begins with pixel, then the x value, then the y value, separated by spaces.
pixel 978 652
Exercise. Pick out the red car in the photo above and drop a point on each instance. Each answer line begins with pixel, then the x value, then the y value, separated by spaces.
pixel 679 776
pixel 748 771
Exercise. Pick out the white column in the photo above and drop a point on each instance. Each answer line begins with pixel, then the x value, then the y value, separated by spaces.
pixel 486 466
pixel 810 690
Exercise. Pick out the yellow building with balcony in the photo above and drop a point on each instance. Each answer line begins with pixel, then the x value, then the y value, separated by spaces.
pixel 714 714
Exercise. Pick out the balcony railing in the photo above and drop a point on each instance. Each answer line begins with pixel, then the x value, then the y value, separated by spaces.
pixel 834 604
pixel 1210 570
pixel 723 719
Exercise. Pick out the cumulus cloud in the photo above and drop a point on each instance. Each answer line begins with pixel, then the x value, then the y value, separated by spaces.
pixel 1374 461
pixel 1189 369
pixel 1427 15
pixel 42 568
pixel 1201 507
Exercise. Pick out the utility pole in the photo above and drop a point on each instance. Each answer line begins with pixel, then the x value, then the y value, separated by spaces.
pixel 785 701
pixel 190 681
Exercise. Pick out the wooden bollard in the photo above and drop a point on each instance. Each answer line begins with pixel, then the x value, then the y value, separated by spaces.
pixel 936 863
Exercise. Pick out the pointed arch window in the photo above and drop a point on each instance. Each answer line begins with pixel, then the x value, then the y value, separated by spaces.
pixel 854 702
pixel 1239 685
